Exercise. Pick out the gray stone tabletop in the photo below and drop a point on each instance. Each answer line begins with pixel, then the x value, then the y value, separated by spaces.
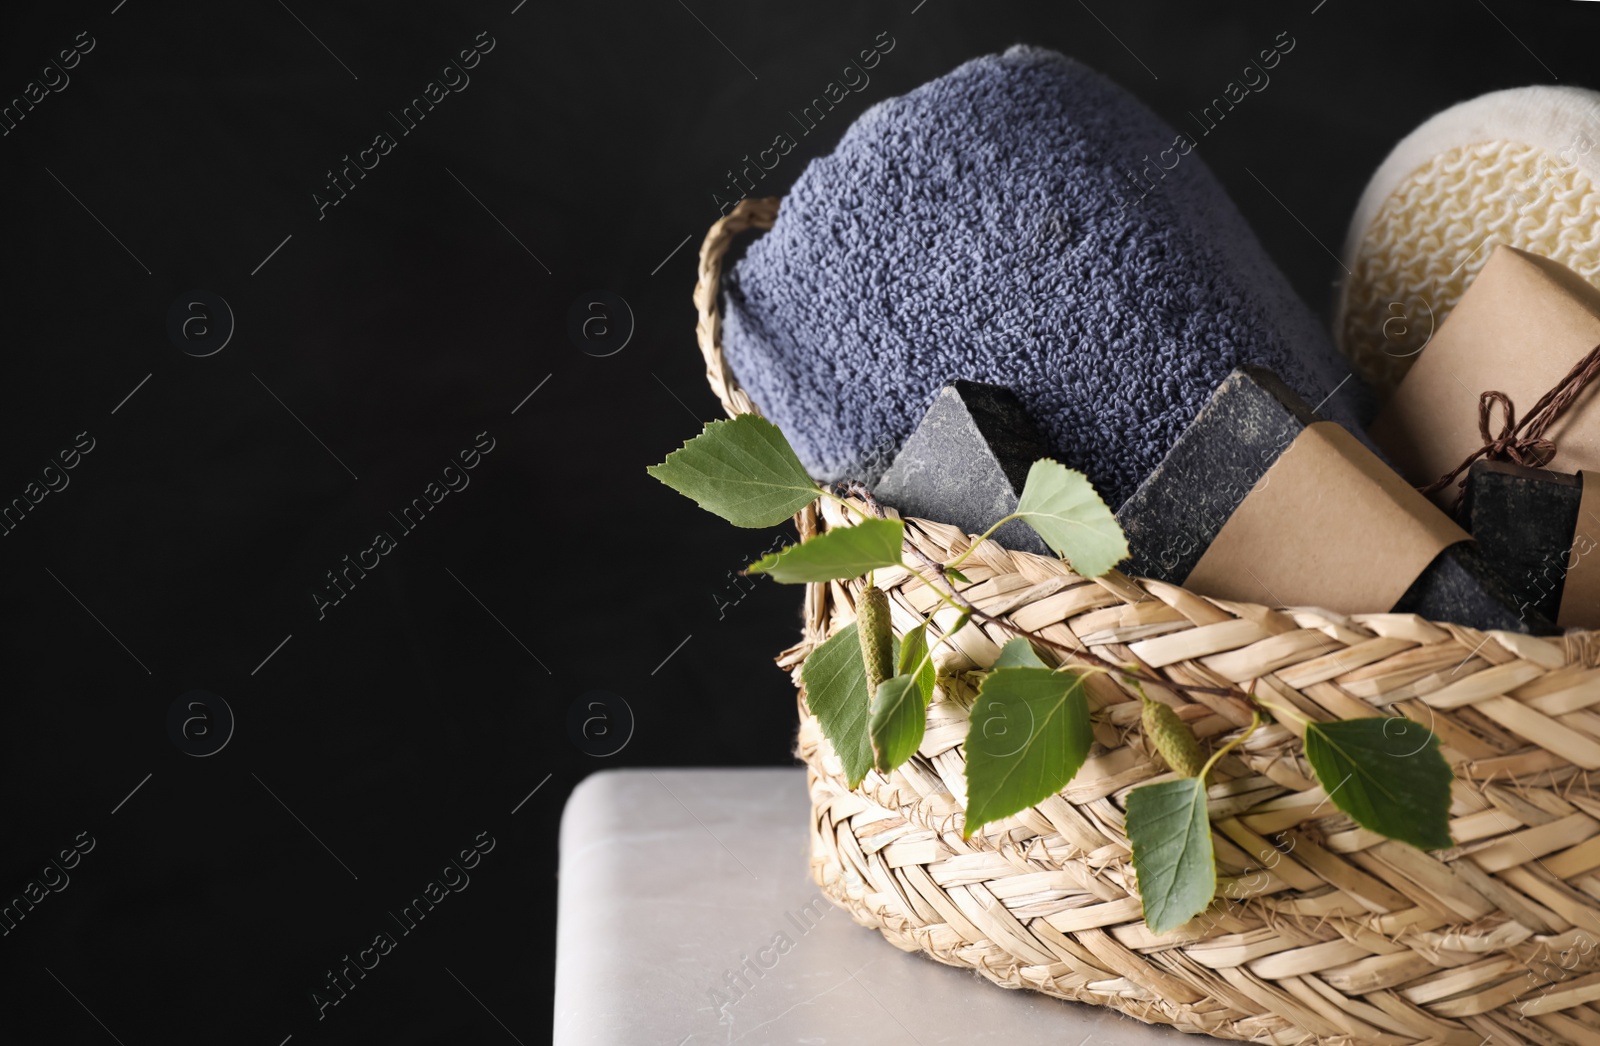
pixel 687 917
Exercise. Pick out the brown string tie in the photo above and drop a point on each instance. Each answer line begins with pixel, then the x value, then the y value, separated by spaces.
pixel 1524 442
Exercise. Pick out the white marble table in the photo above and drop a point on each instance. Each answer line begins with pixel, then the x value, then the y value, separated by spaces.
pixel 672 879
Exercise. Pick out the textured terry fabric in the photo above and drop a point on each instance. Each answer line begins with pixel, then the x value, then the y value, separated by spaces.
pixel 986 226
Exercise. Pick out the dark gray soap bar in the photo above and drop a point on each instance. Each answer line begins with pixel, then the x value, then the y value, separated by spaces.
pixel 1461 585
pixel 1176 513
pixel 1248 423
pixel 966 463
pixel 1524 520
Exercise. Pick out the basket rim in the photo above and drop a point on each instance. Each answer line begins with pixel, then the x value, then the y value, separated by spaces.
pixel 1580 646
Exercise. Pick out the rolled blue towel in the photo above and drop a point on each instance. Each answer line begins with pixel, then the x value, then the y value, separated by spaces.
pixel 993 225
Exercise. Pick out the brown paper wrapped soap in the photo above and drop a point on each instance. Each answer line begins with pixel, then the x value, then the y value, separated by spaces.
pixel 1519 329
pixel 1261 501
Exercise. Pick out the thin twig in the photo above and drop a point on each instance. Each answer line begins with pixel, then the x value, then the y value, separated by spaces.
pixel 859 490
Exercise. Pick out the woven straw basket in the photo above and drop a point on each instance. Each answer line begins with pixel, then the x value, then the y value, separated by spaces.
pixel 1323 931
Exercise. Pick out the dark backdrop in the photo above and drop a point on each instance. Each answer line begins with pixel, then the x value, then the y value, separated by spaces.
pixel 372 342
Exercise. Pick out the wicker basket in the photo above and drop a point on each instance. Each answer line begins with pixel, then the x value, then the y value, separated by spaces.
pixel 1336 934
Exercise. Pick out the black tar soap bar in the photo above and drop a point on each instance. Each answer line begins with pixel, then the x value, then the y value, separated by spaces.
pixel 966 464
pixel 1178 510
pixel 1248 423
pixel 1524 520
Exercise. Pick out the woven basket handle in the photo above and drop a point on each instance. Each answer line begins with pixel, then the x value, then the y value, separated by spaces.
pixel 754 213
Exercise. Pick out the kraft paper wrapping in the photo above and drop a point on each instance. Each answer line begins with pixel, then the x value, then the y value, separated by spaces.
pixel 1580 595
pixel 1520 327
pixel 1329 525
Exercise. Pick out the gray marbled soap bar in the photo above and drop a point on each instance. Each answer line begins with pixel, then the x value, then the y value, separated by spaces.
pixel 966 463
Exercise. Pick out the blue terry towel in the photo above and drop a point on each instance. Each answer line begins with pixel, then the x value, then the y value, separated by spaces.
pixel 996 225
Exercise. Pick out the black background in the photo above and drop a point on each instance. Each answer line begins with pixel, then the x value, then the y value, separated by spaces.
pixel 397 328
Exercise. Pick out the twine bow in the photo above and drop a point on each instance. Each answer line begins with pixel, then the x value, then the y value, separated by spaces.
pixel 1522 442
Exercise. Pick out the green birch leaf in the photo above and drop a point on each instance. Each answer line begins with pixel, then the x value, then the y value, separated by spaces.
pixel 836 692
pixel 955 575
pixel 1018 653
pixel 1062 507
pixel 1029 735
pixel 844 552
pixel 741 469
pixel 1387 774
pixel 899 718
pixel 914 661
pixel 1172 854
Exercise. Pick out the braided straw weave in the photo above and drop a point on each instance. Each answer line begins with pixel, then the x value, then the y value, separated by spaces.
pixel 1323 931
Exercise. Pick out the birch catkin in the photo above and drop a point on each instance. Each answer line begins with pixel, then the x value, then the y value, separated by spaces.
pixel 877 644
pixel 1172 738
